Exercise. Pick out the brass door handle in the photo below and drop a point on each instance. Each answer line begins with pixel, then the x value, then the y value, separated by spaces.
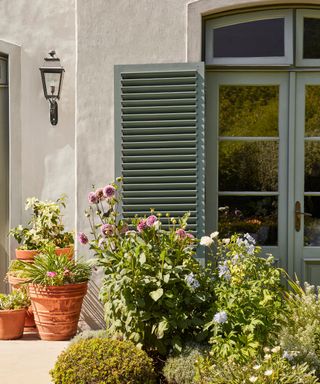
pixel 298 215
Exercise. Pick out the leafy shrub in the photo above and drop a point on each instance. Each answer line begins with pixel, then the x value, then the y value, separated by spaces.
pixel 155 292
pixel 103 361
pixel 45 226
pixel 249 299
pixel 50 269
pixel 271 368
pixel 180 369
pixel 85 335
pixel 17 299
pixel 300 336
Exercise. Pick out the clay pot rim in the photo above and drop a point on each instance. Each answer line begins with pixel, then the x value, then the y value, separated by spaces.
pixel 6 311
pixel 58 286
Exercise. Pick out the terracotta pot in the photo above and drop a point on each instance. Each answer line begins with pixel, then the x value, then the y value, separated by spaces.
pixel 12 323
pixel 26 254
pixel 68 251
pixel 57 309
pixel 15 282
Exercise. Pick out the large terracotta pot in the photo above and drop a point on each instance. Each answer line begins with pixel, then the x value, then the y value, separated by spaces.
pixel 28 255
pixel 12 323
pixel 57 309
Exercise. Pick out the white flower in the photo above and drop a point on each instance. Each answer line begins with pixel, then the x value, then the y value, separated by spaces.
pixel 214 234
pixel 268 372
pixel 266 349
pixel 220 317
pixel 225 241
pixel 276 349
pixel 256 367
pixel 206 241
pixel 267 356
pixel 250 249
pixel 253 379
pixel 249 238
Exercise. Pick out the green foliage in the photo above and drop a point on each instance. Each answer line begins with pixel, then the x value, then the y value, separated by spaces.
pixel 17 299
pixel 45 226
pixel 180 369
pixel 155 292
pixel 103 361
pixel 50 269
pixel 249 300
pixel 90 334
pixel 15 269
pixel 271 368
pixel 300 336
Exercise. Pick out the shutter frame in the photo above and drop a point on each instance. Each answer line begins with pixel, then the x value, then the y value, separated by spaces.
pixel 152 103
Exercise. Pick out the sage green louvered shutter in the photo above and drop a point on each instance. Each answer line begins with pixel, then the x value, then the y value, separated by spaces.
pixel 159 138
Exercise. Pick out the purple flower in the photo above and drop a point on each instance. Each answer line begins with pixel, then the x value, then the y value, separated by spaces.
pixel 192 281
pixel 51 274
pixel 220 317
pixel 107 230
pixel 83 238
pixel 142 225
pixel 92 198
pixel 109 191
pixel 99 194
pixel 151 220
pixel 224 271
pixel 124 229
pixel 181 233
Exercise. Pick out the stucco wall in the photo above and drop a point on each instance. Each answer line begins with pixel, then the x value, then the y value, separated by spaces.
pixel 47 152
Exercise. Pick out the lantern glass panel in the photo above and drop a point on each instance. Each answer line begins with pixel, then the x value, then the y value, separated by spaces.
pixel 52 80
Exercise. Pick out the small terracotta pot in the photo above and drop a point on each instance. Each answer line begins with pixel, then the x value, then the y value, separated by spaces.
pixel 15 282
pixel 12 323
pixel 57 309
pixel 68 251
pixel 26 254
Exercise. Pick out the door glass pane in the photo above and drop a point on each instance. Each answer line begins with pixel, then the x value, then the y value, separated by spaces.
pixel 312 223
pixel 261 38
pixel 312 110
pixel 248 166
pixel 312 166
pixel 248 110
pixel 311 38
pixel 255 215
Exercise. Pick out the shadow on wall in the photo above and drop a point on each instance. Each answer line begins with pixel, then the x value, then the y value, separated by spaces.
pixel 92 316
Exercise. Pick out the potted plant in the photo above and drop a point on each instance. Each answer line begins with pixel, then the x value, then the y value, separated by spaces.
pixel 12 314
pixel 44 228
pixel 57 286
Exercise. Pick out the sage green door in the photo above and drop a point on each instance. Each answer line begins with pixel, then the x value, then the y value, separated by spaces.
pixel 263 163
pixel 307 177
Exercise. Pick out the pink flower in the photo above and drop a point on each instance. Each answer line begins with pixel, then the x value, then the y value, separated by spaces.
pixel 142 225
pixel 109 191
pixel 51 274
pixel 92 198
pixel 83 238
pixel 107 230
pixel 190 235
pixel 181 233
pixel 151 220
pixel 99 194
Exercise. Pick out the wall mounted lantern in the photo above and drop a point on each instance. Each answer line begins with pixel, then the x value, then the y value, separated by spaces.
pixel 52 76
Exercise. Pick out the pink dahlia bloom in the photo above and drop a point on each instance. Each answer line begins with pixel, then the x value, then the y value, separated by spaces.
pixel 107 230
pixel 109 191
pixel 151 220
pixel 92 198
pixel 190 235
pixel 83 238
pixel 51 274
pixel 142 225
pixel 181 233
pixel 99 194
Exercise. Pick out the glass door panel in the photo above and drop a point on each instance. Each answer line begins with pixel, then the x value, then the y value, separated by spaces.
pixel 246 142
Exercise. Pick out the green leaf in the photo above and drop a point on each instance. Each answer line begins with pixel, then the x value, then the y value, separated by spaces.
pixel 162 327
pixel 155 295
pixel 142 258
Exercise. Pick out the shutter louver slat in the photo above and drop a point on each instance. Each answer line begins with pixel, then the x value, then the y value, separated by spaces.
pixel 160 140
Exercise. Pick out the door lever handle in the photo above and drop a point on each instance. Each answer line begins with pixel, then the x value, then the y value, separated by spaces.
pixel 298 215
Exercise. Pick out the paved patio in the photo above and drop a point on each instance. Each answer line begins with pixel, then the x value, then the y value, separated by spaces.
pixel 28 360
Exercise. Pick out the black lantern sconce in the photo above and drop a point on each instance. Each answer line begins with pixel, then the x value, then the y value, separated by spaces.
pixel 52 76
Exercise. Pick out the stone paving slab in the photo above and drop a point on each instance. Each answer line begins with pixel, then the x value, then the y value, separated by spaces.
pixel 28 360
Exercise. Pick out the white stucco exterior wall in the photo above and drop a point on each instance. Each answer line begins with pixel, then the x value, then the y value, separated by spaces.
pixel 47 152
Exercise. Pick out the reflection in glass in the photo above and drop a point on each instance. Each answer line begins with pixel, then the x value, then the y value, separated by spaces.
pixel 261 38
pixel 255 215
pixel 311 38
pixel 312 114
pixel 312 166
pixel 248 166
pixel 312 223
pixel 248 110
